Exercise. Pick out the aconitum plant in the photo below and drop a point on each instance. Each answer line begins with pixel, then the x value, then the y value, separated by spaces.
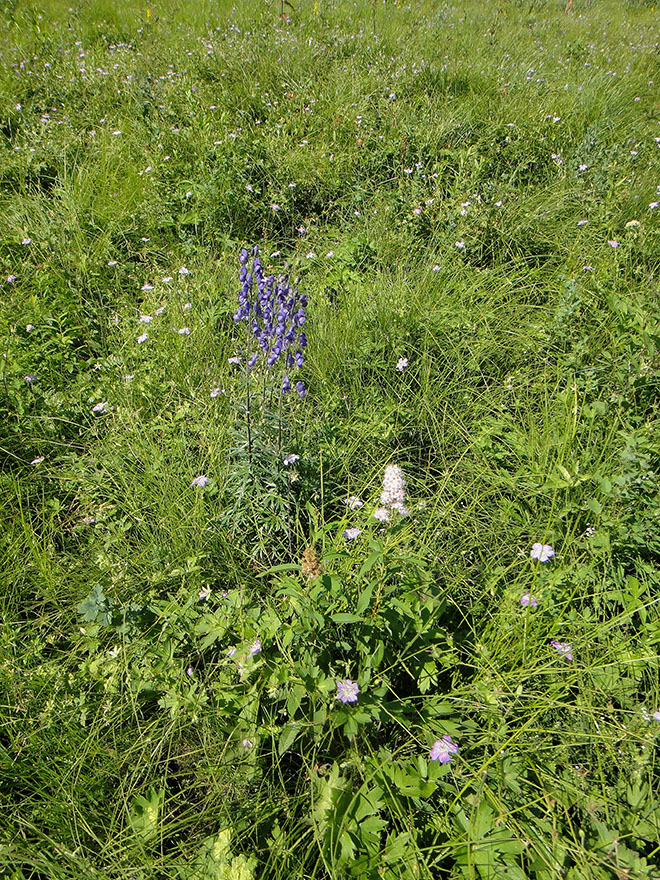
pixel 275 313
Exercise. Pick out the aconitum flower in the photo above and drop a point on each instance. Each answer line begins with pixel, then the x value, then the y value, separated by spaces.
pixel 563 648
pixel 352 534
pixel 347 691
pixel 200 481
pixel 527 599
pixel 542 552
pixel 443 749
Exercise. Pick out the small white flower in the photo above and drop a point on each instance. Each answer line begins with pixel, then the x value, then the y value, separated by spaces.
pixel 29 328
pixel 100 407
pixel 159 311
pixel 184 331
pixel 311 255
pixel 147 286
pixel 234 360
pixel 146 319
pixel 656 715
pixel 204 594
pixel 613 244
pixel 460 245
pixel 167 279
pixel 184 271
pixel 292 458
pixel 114 652
pixel 582 222
pixel 582 167
pixel 38 460
pixel 27 241
pixel 112 262
pixel 329 254
pixel 142 338
pixel 187 307
pixel 382 514
pixel 216 391
pixel 353 502
pixel 200 481
pixel 653 205
pixel 437 267
pixel 11 279
pixel 128 376
pixel 401 364
pixel 247 743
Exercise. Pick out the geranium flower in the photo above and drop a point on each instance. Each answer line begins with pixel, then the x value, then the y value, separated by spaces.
pixel 443 749
pixel 542 552
pixel 347 691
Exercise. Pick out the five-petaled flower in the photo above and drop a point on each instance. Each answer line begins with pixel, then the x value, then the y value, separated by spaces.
pixel 563 648
pixel 347 691
pixel 443 749
pixel 401 364
pixel 542 552
pixel 200 481
pixel 527 599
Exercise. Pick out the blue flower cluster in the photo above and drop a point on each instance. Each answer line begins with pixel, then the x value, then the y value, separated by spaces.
pixel 277 314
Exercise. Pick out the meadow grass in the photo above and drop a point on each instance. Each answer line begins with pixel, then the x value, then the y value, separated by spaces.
pixel 472 187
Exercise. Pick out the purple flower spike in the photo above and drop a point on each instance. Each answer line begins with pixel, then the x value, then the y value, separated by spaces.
pixel 302 391
pixel 443 749
pixel 527 599
pixel 286 385
pixel 347 691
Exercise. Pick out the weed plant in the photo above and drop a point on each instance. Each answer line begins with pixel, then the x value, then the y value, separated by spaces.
pixel 404 625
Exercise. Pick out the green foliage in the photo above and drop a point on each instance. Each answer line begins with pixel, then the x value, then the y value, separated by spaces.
pixel 168 664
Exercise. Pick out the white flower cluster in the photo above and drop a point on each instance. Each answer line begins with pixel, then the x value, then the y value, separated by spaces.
pixel 393 495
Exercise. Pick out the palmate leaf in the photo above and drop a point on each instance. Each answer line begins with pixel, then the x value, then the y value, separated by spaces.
pixel 144 813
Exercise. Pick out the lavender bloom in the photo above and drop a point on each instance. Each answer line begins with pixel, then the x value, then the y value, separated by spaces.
pixel 302 391
pixel 255 649
pixel 352 534
pixel 542 552
pixel 443 749
pixel 200 481
pixel 286 385
pixel 527 599
pixel 563 648
pixel 347 691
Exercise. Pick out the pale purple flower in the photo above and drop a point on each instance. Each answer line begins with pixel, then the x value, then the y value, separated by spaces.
pixel 187 307
pixel 216 391
pixel 231 651
pixel 142 338
pixel 234 360
pixel 128 376
pixel 38 460
pixel 563 648
pixel 443 749
pixel 27 241
pixel 613 244
pixel 200 481
pixel 184 331
pixel 382 514
pixel 527 599
pixel 112 262
pixel 184 271
pixel 247 743
pixel 100 407
pixel 292 458
pixel 30 378
pixel 159 311
pixel 204 594
pixel 401 364
pixel 147 286
pixel 189 671
pixel 353 502
pixel 542 552
pixel 352 534
pixel 302 391
pixel 255 648
pixel 11 279
pixel 29 328
pixel 656 715
pixel 146 319
pixel 347 691
pixel 460 245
